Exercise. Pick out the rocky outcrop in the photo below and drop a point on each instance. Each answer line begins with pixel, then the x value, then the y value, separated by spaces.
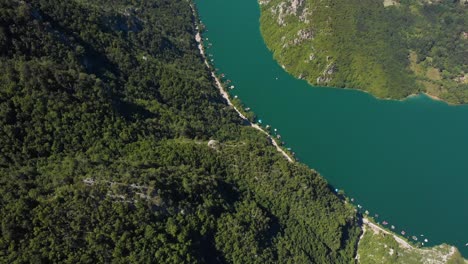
pixel 214 144
pixel 390 2
pixel 311 57
pixel 287 8
pixel 296 5
pixel 326 76
pixel 303 35
pixel 280 12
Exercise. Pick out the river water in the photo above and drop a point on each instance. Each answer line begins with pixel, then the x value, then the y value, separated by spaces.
pixel 406 161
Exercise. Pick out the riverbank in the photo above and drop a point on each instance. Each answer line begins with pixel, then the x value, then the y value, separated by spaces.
pixel 433 97
pixel 377 245
pixel 367 223
pixel 224 93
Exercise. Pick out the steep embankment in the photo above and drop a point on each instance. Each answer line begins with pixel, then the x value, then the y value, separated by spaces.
pixel 387 48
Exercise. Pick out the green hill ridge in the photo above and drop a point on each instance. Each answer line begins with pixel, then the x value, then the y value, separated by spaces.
pixel 392 49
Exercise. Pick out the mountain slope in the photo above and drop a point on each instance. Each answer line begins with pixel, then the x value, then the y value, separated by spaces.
pixel 117 147
pixel 391 49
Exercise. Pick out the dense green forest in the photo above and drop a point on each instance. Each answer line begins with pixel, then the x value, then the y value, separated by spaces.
pixel 106 112
pixel 391 48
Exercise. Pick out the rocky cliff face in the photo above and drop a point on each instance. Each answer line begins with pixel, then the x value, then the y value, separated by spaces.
pixel 287 8
pixel 295 18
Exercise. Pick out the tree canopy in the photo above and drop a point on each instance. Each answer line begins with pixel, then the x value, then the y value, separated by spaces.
pixel 106 111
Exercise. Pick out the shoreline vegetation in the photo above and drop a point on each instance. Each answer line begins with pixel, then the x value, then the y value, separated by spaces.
pixel 379 245
pixel 433 97
pixel 376 228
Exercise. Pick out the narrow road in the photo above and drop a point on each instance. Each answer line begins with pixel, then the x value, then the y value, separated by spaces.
pixel 377 228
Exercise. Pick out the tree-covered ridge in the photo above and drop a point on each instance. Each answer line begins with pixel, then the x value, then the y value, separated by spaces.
pixel 389 48
pixel 116 147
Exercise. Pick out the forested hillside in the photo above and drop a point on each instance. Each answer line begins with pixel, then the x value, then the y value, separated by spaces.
pixel 389 48
pixel 117 148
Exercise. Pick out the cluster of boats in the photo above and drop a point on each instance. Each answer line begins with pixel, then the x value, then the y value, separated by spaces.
pixel 392 227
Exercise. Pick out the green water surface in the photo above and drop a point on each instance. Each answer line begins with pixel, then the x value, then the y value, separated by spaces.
pixel 404 160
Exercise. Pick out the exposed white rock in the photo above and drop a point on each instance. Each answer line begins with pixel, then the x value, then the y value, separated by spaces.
pixel 390 2
pixel 306 14
pixel 303 35
pixel 214 144
pixel 311 57
pixel 287 8
pixel 296 5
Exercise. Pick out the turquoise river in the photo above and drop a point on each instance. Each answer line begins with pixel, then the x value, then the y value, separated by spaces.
pixel 404 160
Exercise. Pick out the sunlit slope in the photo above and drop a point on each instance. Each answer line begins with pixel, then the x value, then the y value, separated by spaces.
pixel 392 49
